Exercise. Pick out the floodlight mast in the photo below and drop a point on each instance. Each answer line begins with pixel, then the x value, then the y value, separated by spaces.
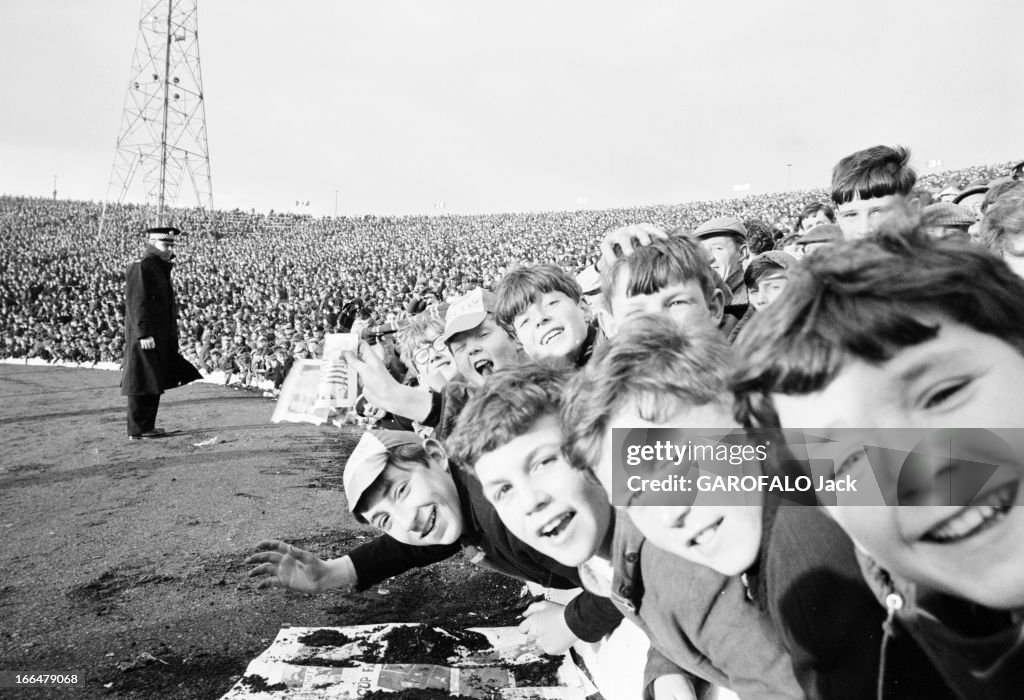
pixel 163 125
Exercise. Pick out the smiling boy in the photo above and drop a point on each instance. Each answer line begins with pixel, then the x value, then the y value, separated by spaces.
pixel 403 485
pixel 543 306
pixel 702 629
pixel 903 331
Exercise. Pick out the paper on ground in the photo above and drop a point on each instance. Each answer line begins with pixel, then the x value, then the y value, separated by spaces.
pixel 484 674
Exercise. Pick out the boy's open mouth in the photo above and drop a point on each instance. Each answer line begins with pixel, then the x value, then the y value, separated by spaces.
pixel 483 367
pixel 705 535
pixel 550 335
pixel 976 518
pixel 556 526
pixel 431 522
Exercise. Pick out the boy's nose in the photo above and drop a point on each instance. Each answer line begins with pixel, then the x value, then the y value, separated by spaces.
pixel 533 500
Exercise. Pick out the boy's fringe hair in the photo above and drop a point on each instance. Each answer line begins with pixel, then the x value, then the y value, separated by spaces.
pixel 507 406
pixel 874 172
pixel 810 210
pixel 398 457
pixel 758 268
pixel 667 261
pixel 1004 219
pixel 652 365
pixel 521 287
pixel 867 300
pixel 423 328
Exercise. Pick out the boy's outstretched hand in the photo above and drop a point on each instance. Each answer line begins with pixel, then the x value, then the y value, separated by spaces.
pixel 544 622
pixel 289 567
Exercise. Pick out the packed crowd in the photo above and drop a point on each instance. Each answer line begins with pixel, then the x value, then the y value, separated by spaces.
pixel 257 291
pixel 698 447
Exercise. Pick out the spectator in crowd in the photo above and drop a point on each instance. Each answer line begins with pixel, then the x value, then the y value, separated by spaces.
pixel 948 220
pixel 760 237
pixel 283 275
pixel 869 185
pixel 813 214
pixel 1002 229
pixel 765 277
pixel 725 240
pixel 819 237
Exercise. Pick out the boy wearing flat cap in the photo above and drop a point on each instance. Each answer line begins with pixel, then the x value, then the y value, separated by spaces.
pixel 403 485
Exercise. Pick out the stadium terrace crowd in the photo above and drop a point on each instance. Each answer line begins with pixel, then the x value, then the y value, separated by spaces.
pixel 258 290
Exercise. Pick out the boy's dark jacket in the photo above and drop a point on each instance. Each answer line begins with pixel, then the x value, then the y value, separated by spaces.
pixel 698 620
pixel 809 581
pixel 489 543
pixel 982 659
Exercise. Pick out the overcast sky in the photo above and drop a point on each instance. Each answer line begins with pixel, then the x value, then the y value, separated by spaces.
pixel 519 106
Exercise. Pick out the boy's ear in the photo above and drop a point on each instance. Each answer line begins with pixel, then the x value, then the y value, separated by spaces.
pixel 436 454
pixel 606 321
pixel 585 308
pixel 716 306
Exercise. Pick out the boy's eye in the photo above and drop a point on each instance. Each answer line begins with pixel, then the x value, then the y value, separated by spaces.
pixel 850 462
pixel 678 302
pixel 944 394
pixel 384 522
pixel 500 492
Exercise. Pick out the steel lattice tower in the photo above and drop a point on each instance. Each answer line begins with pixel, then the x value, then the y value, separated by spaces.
pixel 162 141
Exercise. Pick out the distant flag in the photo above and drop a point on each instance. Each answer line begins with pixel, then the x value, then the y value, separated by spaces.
pixel 581 200
pixel 741 188
pixel 439 204
pixel 935 163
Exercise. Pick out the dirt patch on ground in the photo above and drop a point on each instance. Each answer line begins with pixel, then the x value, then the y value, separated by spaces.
pixel 124 561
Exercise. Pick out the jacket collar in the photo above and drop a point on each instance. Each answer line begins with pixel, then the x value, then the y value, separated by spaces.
pixel 627 580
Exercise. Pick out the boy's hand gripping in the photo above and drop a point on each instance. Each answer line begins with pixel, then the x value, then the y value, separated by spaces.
pixel 544 622
pixel 674 686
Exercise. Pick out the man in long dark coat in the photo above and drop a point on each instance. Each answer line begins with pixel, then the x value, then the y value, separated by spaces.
pixel 151 360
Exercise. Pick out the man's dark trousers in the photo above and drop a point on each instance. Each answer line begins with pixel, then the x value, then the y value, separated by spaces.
pixel 142 410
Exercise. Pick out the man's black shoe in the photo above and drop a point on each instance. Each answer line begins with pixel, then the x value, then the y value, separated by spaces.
pixel 150 435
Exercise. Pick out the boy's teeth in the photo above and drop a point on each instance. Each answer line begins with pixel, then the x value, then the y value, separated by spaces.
pixel 549 335
pixel 970 520
pixel 555 526
pixel 706 534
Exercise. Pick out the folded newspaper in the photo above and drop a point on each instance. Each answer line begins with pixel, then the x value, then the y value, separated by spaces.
pixel 411 661
pixel 315 389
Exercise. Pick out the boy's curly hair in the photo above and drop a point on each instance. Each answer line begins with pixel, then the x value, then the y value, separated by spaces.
pixel 508 405
pixel 653 365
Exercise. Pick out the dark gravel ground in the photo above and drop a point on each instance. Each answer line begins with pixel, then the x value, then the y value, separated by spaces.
pixel 123 561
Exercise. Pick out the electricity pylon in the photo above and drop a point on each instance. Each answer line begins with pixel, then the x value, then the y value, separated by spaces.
pixel 162 141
